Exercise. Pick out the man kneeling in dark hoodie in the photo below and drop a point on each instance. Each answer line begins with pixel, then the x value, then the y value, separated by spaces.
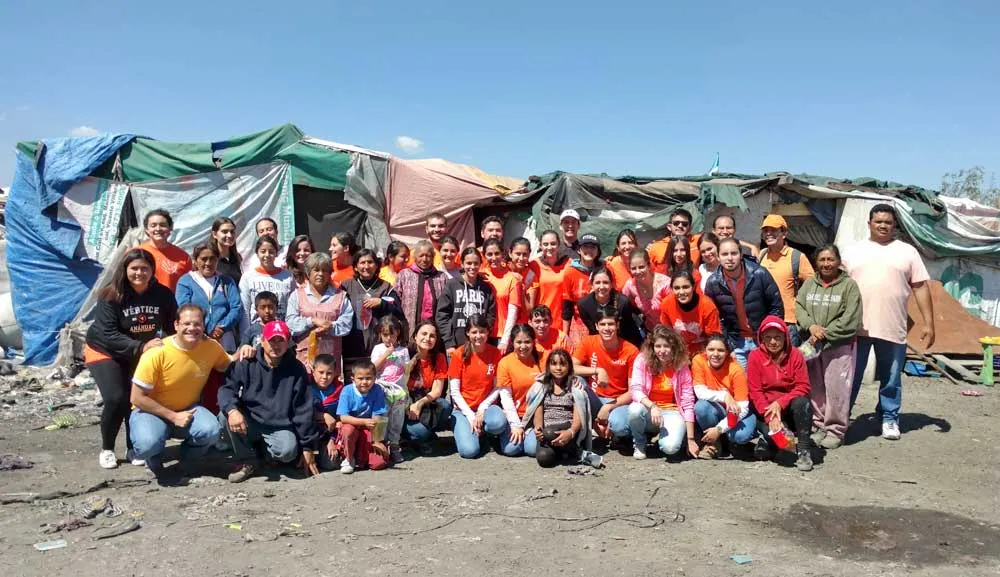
pixel 267 398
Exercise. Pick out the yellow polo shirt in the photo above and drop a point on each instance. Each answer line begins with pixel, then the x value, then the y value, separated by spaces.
pixel 174 377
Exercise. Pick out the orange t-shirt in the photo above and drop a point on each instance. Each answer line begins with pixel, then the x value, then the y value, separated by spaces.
pixel 529 289
pixel 661 390
pixel 693 326
pixel 550 290
pixel 426 372
pixel 617 363
pixel 171 264
pixel 518 376
pixel 619 269
pixel 552 340
pixel 729 377
pixel 576 285
pixel 339 275
pixel 508 292
pixel 658 253
pixel 478 376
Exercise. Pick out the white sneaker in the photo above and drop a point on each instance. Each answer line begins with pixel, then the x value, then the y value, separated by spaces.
pixel 639 453
pixel 346 467
pixel 131 458
pixel 890 431
pixel 107 460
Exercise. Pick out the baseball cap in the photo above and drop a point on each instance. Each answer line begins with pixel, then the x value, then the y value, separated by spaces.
pixel 774 221
pixel 569 213
pixel 589 239
pixel 275 329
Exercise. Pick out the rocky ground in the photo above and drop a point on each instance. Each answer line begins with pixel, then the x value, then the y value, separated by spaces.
pixel 925 505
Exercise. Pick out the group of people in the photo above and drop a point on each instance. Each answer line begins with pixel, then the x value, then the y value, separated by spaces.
pixel 336 360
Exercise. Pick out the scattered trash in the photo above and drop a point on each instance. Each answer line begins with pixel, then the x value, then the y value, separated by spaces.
pixel 53 408
pixel 50 545
pixel 741 559
pixel 971 393
pixel 544 495
pixel 103 505
pixel 7 368
pixel 235 526
pixel 120 528
pixel 11 462
pixel 582 470
pixel 61 422
pixel 68 524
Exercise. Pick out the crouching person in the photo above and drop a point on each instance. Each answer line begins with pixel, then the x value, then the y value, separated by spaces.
pixel 168 383
pixel 267 398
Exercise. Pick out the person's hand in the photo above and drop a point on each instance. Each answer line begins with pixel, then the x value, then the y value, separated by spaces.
pixel 217 333
pixel 564 438
pixel 502 346
pixel 152 344
pixel 711 436
pixel 772 412
pixel 321 326
pixel 329 421
pixel 927 336
pixel 731 405
pixel 413 412
pixel 388 353
pixel 246 352
pixel 580 384
pixel 656 416
pixel 380 449
pixel 308 463
pixel 450 351
pixel 605 412
pixel 538 434
pixel 603 379
pixel 182 419
pixel 331 449
pixel 517 435
pixel 236 422
pixel 478 422
pixel 371 303
pixel 817 332
pixel 693 448
pixel 369 424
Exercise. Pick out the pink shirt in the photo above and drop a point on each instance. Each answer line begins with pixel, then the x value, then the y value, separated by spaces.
pixel 884 274
pixel 650 308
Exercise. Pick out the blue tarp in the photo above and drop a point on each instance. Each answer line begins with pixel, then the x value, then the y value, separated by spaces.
pixel 49 284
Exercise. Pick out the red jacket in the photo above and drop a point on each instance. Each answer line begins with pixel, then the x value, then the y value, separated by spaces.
pixel 780 381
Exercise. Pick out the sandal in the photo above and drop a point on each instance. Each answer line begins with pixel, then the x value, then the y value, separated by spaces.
pixel 709 452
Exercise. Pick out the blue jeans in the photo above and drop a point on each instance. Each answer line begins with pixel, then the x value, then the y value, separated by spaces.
pixel 793 334
pixel 494 424
pixel 742 350
pixel 150 433
pixel 419 433
pixel 708 414
pixel 889 361
pixel 672 430
pixel 617 420
pixel 530 441
pixel 281 443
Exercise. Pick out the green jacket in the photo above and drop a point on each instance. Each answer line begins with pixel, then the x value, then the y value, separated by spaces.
pixel 837 308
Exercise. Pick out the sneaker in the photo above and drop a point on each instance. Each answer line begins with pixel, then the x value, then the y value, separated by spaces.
pixel 591 458
pixel 639 452
pixel 804 462
pixel 242 473
pixel 107 460
pixel 818 437
pixel 346 467
pixel 763 451
pixel 135 461
pixel 830 442
pixel 890 431
pixel 396 454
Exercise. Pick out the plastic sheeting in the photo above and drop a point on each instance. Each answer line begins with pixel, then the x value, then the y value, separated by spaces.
pixel 95 205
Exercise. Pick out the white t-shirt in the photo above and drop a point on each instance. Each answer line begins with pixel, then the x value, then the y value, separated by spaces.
pixel 394 369
pixel 885 274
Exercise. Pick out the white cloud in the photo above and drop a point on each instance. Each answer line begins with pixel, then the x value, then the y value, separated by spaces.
pixel 409 145
pixel 84 131
pixel 23 108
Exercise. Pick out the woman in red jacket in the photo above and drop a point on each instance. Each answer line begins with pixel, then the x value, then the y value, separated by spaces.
pixel 779 391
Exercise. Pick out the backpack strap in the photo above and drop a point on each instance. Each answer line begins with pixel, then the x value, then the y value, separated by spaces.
pixel 796 257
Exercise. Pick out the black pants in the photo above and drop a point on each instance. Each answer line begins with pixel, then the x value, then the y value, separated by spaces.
pixel 114 380
pixel 549 456
pixel 798 417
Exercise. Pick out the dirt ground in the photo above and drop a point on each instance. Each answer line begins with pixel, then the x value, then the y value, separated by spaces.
pixel 925 505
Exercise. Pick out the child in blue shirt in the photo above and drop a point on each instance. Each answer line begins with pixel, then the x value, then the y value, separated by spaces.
pixel 362 410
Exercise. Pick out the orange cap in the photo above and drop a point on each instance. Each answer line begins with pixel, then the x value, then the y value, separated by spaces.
pixel 774 221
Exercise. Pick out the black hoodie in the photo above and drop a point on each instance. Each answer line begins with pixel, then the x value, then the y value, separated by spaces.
pixel 275 397
pixel 457 302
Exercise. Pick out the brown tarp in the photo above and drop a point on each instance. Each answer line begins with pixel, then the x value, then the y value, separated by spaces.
pixel 957 332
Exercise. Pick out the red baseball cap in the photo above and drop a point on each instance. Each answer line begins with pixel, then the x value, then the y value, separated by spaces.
pixel 276 329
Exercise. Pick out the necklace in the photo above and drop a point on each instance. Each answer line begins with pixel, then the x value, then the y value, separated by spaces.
pixel 368 289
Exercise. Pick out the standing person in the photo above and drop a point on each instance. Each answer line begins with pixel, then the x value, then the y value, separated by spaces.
pixel 788 267
pixel 692 316
pixel 886 271
pixel 448 255
pixel 516 373
pixel 528 274
pixel 678 224
pixel 709 246
pixel 720 385
pixel 391 359
pixel 828 309
pixel 620 263
pixel 397 254
pixel 436 227
pixel 472 378
pixel 295 261
pixel 576 285
pixel 217 295
pixel 604 298
pixel 419 286
pixel 569 224
pixel 724 226
pixel 491 229
pixel 646 289
pixel 267 398
pixel 778 384
pixel 662 395
pixel 372 299
pixel 430 409
pixel 547 337
pixel 266 227
pixel 132 316
pixel 507 289
pixel 319 314
pixel 171 261
pixel 607 359
pixel 679 250
pixel 744 293
pixel 551 267
pixel 461 298
pixel 265 277
pixel 342 249
pixel 558 415
pixel 224 240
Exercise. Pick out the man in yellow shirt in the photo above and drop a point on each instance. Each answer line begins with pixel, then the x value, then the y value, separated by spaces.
pixel 789 267
pixel 167 391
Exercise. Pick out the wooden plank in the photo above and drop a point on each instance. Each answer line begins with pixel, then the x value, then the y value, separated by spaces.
pixel 957 368
pixel 932 363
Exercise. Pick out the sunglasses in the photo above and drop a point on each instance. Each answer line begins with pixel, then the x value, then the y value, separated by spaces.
pixel 680 223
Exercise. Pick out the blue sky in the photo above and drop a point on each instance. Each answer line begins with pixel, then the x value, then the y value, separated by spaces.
pixel 904 91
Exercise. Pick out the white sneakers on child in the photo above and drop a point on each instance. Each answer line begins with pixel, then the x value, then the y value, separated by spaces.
pixel 890 431
pixel 107 460
pixel 346 468
pixel 639 453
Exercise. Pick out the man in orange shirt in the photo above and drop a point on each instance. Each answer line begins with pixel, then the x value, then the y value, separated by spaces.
pixel 679 224
pixel 789 268
pixel 608 359
pixel 547 337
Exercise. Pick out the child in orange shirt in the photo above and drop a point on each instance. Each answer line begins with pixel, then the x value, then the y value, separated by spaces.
pixel 720 385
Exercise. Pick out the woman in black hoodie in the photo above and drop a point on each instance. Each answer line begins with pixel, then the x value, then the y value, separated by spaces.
pixel 133 313
pixel 604 297
pixel 463 296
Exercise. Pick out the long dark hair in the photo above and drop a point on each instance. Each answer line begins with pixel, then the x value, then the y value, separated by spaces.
pixel 526 329
pixel 216 225
pixel 438 347
pixel 120 288
pixel 348 241
pixel 493 242
pixel 548 380
pixel 363 253
pixel 392 251
pixel 628 232
pixel 673 267
pixel 613 295
pixel 298 270
pixel 475 321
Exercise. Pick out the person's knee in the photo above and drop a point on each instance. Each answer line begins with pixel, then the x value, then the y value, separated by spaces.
pixel 513 449
pixel 468 449
pixel 706 413
pixel 204 428
pixel 546 457
pixel 495 423
pixel 670 444
pixel 637 415
pixel 417 432
pixel 283 446
pixel 147 440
